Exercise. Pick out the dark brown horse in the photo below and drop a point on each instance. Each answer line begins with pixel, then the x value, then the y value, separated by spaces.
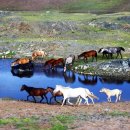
pixel 85 55
pixel 58 94
pixel 49 63
pixel 20 61
pixel 57 62
pixel 35 92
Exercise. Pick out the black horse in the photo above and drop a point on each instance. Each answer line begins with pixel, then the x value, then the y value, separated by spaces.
pixel 109 51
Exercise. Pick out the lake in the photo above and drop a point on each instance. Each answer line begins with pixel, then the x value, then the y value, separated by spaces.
pixel 11 82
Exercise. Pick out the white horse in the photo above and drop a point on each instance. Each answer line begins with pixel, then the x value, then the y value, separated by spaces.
pixel 69 92
pixel 114 92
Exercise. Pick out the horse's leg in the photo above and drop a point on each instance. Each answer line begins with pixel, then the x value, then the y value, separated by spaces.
pixel 46 98
pixel 120 55
pixel 68 100
pixel 34 99
pixel 91 99
pixel 51 99
pixel 28 97
pixel 117 54
pixel 42 98
pixel 63 101
pixel 117 96
pixel 78 100
pixel 86 99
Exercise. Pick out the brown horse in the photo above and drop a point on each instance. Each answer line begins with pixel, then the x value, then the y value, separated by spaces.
pixel 35 92
pixel 57 62
pixel 85 55
pixel 58 94
pixel 20 61
pixel 38 53
pixel 49 63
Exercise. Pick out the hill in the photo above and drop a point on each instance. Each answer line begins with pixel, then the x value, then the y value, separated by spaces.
pixel 94 6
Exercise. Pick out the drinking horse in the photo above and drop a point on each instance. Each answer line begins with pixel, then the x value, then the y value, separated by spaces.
pixel 111 50
pixel 57 62
pixel 20 61
pixel 85 55
pixel 69 61
pixel 49 63
pixel 38 53
pixel 35 92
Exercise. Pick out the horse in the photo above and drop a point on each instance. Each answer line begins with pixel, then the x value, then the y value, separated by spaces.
pixel 58 94
pixel 38 53
pixel 69 61
pixel 91 53
pixel 114 92
pixel 35 92
pixel 111 50
pixel 21 61
pixel 57 62
pixel 49 63
pixel 69 92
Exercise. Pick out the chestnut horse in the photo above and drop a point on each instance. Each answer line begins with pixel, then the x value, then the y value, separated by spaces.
pixel 38 53
pixel 54 95
pixel 35 92
pixel 91 53
pixel 49 63
pixel 57 62
pixel 21 61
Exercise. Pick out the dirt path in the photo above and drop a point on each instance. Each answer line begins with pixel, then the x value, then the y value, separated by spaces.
pixel 109 116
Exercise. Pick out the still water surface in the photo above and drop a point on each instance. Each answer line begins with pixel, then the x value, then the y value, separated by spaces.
pixel 11 83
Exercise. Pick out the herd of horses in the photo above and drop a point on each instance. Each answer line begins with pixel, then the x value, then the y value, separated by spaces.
pixel 53 63
pixel 68 92
pixel 65 91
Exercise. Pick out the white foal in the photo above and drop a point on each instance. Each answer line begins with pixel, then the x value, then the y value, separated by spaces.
pixel 114 92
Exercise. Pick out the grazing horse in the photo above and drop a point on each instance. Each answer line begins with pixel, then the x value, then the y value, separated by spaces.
pixel 38 53
pixel 69 61
pixel 69 92
pixel 85 55
pixel 58 94
pixel 49 63
pixel 57 62
pixel 114 92
pixel 21 61
pixel 35 92
pixel 111 50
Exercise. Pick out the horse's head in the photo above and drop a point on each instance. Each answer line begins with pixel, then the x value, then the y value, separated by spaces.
pixel 103 90
pixel 123 49
pixel 50 89
pixel 23 87
pixel 100 50
pixel 57 89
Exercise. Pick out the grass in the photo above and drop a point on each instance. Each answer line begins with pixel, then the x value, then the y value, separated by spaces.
pixel 119 113
pixel 61 122
pixel 21 123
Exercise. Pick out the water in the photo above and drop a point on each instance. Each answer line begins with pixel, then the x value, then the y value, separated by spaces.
pixel 10 83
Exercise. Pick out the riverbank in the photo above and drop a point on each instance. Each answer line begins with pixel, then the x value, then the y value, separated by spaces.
pixel 27 115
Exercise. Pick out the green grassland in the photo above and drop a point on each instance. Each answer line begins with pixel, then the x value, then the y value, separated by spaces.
pixel 85 34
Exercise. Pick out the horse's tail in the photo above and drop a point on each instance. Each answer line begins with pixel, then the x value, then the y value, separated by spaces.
pixel 123 49
pixel 93 96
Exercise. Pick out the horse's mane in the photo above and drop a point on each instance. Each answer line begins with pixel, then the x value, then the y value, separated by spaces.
pixel 50 88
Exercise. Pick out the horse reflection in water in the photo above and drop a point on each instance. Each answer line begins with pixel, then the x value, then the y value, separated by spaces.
pixel 89 80
pixel 25 70
pixel 69 76
pixel 110 80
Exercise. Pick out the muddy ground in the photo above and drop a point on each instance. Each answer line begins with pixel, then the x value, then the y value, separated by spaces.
pixel 109 116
